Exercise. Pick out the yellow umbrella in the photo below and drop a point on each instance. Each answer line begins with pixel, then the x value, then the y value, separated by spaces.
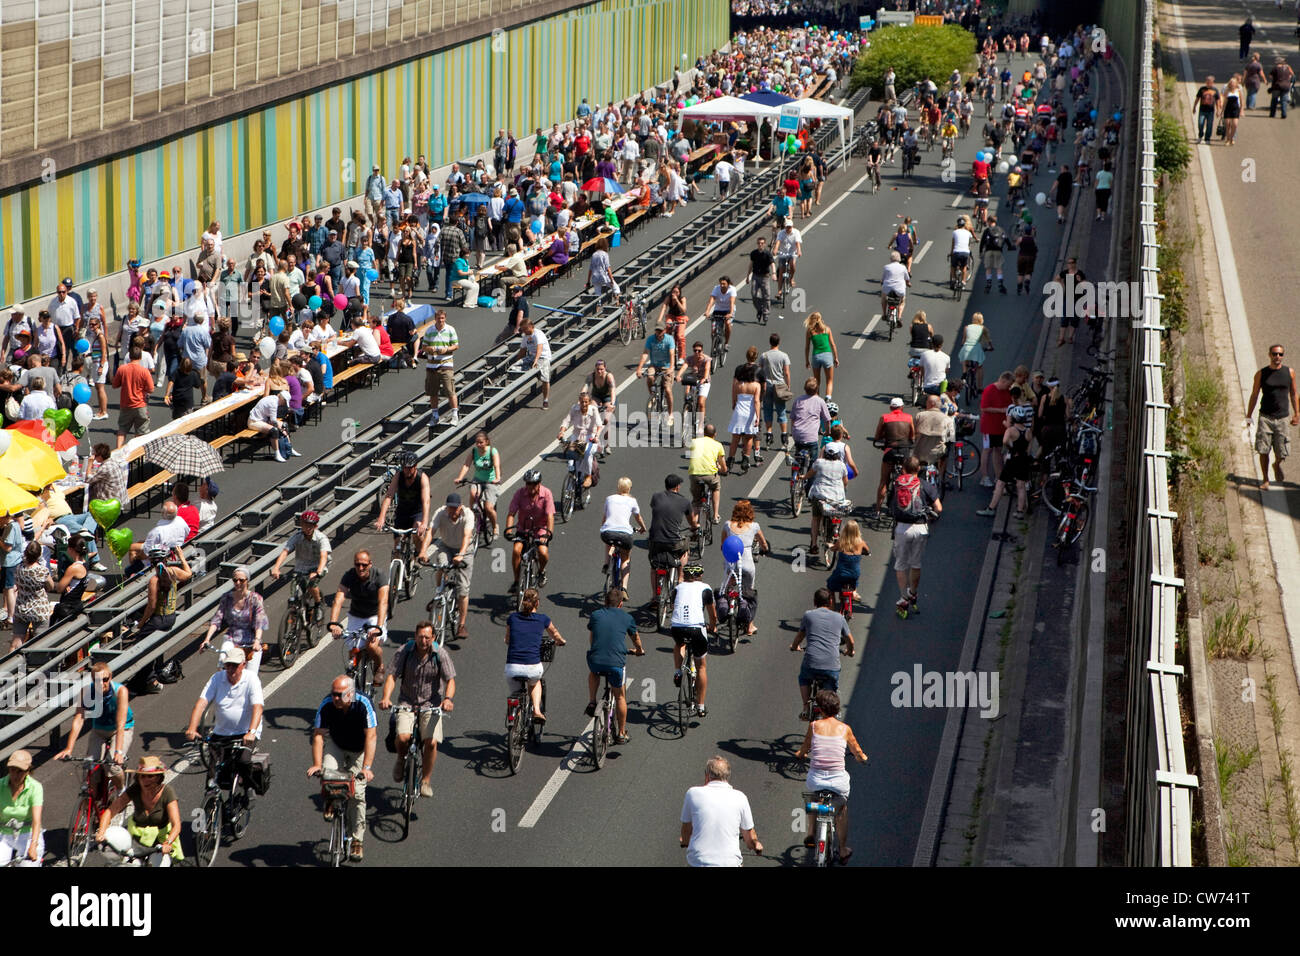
pixel 14 500
pixel 29 462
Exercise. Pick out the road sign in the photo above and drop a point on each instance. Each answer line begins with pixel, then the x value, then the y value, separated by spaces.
pixel 866 23
pixel 789 121
pixel 899 17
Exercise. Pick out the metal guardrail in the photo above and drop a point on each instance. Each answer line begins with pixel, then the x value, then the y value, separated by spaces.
pixel 1156 780
pixel 341 483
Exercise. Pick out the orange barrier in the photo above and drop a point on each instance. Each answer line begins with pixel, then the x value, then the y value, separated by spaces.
pixel 928 20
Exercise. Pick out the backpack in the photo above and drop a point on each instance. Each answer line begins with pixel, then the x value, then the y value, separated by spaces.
pixel 908 502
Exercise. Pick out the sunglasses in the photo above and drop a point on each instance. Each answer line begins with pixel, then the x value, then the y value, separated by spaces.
pixel 338 694
pixel 361 564
pixel 1277 354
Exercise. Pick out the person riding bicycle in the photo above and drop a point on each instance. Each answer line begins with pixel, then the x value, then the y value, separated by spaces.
pixel 894 280
pixel 828 479
pixel 532 512
pixel 236 693
pixel 621 511
pixel 708 464
pixel 410 488
pixel 155 817
pixel 962 236
pixel 762 268
pixel 112 723
pixel 22 808
pixel 897 432
pixel 454 537
pixel 693 602
pixel 823 747
pixel 525 631
pixel 671 513
pixel 788 247
pixel 367 588
pixel 875 159
pixel 948 135
pixel 343 739
pixel 722 305
pixel 674 318
pixel 610 628
pixel 826 632
pixel 699 367
pixel 310 548
pixel 661 353
pixel 242 614
pixel 485 463
pixel 602 388
pixel 424 679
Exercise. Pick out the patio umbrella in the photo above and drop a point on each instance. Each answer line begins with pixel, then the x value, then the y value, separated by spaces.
pixel 36 429
pixel 14 500
pixel 184 455
pixel 472 199
pixel 602 184
pixel 29 462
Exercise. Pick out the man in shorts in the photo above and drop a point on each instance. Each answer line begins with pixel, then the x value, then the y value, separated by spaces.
pixel 610 628
pixel 424 679
pixel 911 531
pixel 536 353
pixel 896 431
pixel 453 533
pixel 670 515
pixel 708 463
pixel 692 605
pixel 994 402
pixel 438 345
pixel 1070 279
pixel 1275 387
pixel 311 554
pixel 367 588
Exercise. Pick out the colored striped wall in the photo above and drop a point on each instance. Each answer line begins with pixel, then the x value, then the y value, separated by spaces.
pixel 318 149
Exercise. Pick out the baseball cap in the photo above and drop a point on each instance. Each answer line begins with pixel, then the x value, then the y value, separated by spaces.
pixel 20 760
pixel 659 326
pixel 230 654
pixel 18 307
pixel 453 499
pixel 67 280
pixel 895 402
pixel 334 232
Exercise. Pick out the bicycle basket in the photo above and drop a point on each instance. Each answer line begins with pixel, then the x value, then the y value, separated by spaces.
pixel 690 380
pixel 965 426
pixel 548 651
pixel 335 785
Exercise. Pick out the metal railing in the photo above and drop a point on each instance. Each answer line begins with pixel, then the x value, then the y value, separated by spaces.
pixel 1156 780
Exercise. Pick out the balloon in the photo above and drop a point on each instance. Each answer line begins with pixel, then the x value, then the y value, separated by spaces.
pixel 276 325
pixel 105 511
pixel 1117 116
pixel 732 548
pixel 81 393
pixel 852 474
pixel 340 301
pixel 314 303
pixel 5 439
pixel 266 346
pixel 1003 167
pixel 119 541
pixel 1040 198
pixel 372 274
pixel 1092 114
pixel 82 346
pixel 83 414
pixel 58 419
pixel 980 157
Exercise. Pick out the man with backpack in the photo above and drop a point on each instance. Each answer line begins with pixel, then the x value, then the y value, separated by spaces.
pixel 912 503
pixel 427 680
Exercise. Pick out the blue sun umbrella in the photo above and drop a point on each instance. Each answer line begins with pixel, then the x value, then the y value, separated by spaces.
pixel 603 184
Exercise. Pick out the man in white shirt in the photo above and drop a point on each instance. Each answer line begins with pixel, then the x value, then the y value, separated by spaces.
pixel 788 248
pixel 171 531
pixel 960 252
pixel 715 817
pixel 536 353
pixel 934 366
pixel 37 402
pixel 65 312
pixel 723 170
pixel 237 694
pixel 364 339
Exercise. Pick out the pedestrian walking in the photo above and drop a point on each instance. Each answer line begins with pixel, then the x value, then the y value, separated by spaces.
pixel 1231 109
pixel 1247 33
pixel 1275 388
pixel 1253 80
pixel 715 817
pixel 1279 86
pixel 1207 105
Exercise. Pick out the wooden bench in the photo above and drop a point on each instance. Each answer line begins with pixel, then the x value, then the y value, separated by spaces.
pixel 367 371
pixel 144 488
pixel 224 440
pixel 540 278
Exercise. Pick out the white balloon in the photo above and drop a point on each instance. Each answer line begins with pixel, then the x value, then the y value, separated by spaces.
pixel 266 346
pixel 1003 167
pixel 1040 198
pixel 83 414
pixel 5 439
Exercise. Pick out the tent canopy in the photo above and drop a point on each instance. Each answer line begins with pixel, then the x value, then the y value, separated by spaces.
pixel 819 109
pixel 728 108
pixel 768 98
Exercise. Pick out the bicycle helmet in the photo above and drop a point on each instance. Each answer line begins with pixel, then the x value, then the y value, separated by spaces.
pixel 693 570
pixel 1021 414
pixel 309 517
pixel 533 477
pixel 831 452
pixel 410 459
pixel 157 555
pixel 833 409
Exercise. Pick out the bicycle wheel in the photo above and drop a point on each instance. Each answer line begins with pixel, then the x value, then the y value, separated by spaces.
pixel 796 496
pixel 396 578
pixel 733 632
pixel 600 734
pixel 706 525
pixel 685 695
pixel 821 846
pixel 625 324
pixel 613 578
pixel 364 674
pixel 437 608
pixel 1054 493
pixel 515 736
pixel 79 832
pixel 207 840
pixel 412 582
pixel 1080 523
pixel 827 549
pixel 288 638
pixel 663 606
pixel 338 836
pixel 568 497
pixel 240 811
pixel 315 624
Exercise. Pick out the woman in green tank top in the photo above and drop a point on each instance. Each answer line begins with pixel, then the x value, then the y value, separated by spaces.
pixel 819 352
pixel 485 463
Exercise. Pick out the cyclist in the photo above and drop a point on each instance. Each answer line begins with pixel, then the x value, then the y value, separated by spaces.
pixel 533 509
pixel 700 367
pixel 911 148
pixel 913 503
pixel 983 192
pixel 485 462
pixel 621 510
pixel 826 631
pixel 427 680
pixel 993 242
pixel 112 723
pixel 875 158
pixel 585 425
pixel 895 279
pixel 708 464
pixel 660 352
pixel 828 480
pixel 410 488
pixel 823 746
pixel 367 588
pixel 237 695
pixel 311 556
pixel 722 305
pixel 960 250
pixel 22 807
pixel 674 318
pixel 155 817
pixel 692 602
pixel 671 513
pixel 1015 185
pixel 243 616
pixel 525 631
pixel 948 134
pixel 789 247
pixel 347 719
pixel 454 537
pixel 897 430
pixel 934 366
pixel 762 268
pixel 901 242
pixel 602 388
pixel 965 112
pixel 610 628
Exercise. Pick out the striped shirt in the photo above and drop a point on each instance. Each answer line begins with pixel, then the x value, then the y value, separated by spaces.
pixel 440 338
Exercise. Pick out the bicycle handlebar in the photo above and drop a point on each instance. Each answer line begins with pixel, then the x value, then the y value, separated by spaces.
pixel 514 534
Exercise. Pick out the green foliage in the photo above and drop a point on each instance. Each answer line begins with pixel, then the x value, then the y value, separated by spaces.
pixel 914 53
pixel 1172 152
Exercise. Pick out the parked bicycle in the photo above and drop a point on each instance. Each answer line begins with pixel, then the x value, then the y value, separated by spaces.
pixel 631 322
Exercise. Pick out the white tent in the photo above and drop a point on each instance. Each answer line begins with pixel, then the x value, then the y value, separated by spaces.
pixel 810 109
pixel 726 108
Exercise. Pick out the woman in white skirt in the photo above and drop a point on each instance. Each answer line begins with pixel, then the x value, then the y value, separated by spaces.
pixel 824 746
pixel 744 416
pixel 525 631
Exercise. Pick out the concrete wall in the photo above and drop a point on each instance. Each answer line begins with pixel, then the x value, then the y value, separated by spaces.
pixel 316 149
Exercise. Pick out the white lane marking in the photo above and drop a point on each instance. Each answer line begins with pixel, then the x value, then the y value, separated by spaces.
pixel 778 460
pixel 916 260
pixel 534 812
pixel 957 201
pixel 866 333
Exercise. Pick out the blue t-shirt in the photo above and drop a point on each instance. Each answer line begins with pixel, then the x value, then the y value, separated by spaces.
pixel 610 627
pixel 660 351
pixel 106 718
pixel 513 209
pixel 14 556
pixel 557 171
pixel 526 632
pixel 781 205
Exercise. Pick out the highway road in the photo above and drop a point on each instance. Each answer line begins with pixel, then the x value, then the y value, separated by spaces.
pixel 558 810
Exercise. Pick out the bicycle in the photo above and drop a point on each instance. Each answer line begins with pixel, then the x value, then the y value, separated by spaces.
pixel 667 573
pixel 131 855
pixel 718 345
pixel 657 402
pixel 95 798
pixel 486 530
pixel 337 788
pixel 970 378
pixel 957 280
pixel 530 566
pixel 357 662
pixel 604 730
pixel 909 160
pixel 733 592
pixel 413 772
pixel 686 691
pixel 301 622
pixel 690 406
pixel 915 376
pixel 833 517
pixel 799 463
pixel 874 170
pixel 225 799
pixel 573 490
pixel 704 510
pixel 613 571
pixel 631 322
pixel 1073 521
pixel 403 571
pixel 893 308
pixel 783 282
pixel 826 845
pixel 444 607
pixel 963 456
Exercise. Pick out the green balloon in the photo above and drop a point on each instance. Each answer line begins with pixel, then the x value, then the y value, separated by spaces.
pixel 58 419
pixel 105 511
pixel 119 541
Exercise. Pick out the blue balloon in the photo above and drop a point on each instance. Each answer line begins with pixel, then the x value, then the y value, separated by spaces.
pixel 1117 116
pixel 81 393
pixel 82 346
pixel 276 325
pixel 1092 114
pixel 852 474
pixel 372 274
pixel 732 548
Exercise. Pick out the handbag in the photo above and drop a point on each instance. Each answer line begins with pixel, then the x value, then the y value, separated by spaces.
pixel 1221 131
pixel 13 411
pixel 783 391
